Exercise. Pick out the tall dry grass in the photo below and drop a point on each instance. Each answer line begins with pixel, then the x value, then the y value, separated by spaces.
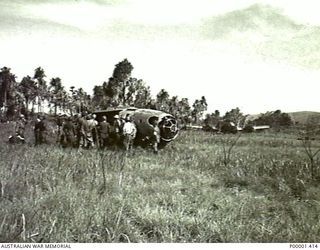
pixel 187 193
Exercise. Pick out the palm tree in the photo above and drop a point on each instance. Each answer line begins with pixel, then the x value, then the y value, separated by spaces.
pixel 27 88
pixel 7 80
pixel 56 92
pixel 199 106
pixel 42 88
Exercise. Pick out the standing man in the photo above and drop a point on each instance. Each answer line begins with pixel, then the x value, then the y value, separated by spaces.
pixel 39 130
pixel 104 131
pixel 68 132
pixel 117 130
pixel 156 136
pixel 78 123
pixel 87 132
pixel 94 125
pixel 20 127
pixel 129 133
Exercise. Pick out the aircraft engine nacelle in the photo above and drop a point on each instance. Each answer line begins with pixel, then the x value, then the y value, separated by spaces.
pixel 144 118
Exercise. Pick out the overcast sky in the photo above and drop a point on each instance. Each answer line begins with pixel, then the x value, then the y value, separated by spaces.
pixel 255 55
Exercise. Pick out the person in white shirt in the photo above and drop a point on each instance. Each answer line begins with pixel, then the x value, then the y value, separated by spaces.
pixel 116 131
pixel 129 132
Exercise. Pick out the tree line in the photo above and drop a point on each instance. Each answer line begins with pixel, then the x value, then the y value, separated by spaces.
pixel 33 94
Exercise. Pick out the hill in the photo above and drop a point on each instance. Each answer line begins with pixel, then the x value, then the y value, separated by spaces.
pixel 299 117
pixel 302 117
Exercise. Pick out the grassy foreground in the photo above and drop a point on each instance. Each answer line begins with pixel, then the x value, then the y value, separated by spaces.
pixel 198 189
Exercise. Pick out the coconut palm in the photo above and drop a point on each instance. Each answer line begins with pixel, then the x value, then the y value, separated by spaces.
pixel 42 88
pixel 7 80
pixel 56 92
pixel 199 106
pixel 28 89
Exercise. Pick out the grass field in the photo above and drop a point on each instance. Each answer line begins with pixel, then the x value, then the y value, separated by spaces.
pixel 200 188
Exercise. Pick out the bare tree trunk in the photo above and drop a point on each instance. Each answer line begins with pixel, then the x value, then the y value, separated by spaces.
pixel 32 107
pixel 39 104
pixel 27 104
pixel 5 102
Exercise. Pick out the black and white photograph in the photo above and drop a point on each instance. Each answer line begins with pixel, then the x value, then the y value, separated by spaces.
pixel 159 121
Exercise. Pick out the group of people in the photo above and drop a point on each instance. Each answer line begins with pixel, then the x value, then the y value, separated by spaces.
pixel 20 126
pixel 86 132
